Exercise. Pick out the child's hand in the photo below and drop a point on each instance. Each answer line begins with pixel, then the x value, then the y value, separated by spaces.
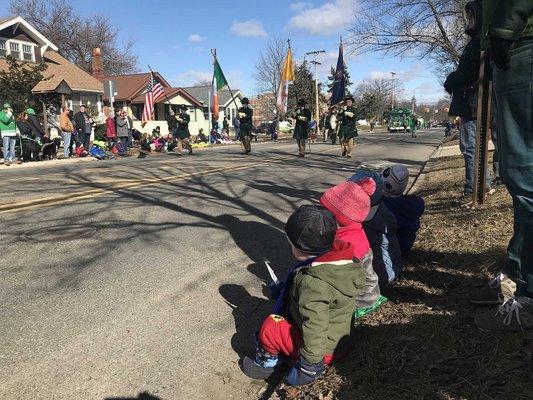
pixel 304 372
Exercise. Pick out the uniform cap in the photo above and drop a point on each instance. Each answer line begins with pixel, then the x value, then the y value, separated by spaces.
pixel 311 229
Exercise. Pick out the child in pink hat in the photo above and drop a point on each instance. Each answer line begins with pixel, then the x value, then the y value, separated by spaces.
pixel 350 204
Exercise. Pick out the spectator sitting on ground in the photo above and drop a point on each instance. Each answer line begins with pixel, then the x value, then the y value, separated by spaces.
pixel 171 142
pixel 350 204
pixel 380 227
pixel 407 209
pixel 156 132
pixel 200 137
pixel 146 142
pixel 312 319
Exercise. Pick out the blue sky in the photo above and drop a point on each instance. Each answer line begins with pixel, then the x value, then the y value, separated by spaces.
pixel 175 38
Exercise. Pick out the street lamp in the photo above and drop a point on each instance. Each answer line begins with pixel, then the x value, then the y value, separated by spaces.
pixel 315 63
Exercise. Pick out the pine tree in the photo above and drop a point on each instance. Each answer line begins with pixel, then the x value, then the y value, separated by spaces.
pixel 17 82
pixel 331 80
pixel 303 87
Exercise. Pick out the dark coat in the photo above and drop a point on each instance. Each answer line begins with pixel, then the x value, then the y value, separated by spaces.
pixel 462 83
pixel 25 128
pixel 182 130
pixel 35 124
pixel 348 123
pixel 172 123
pixel 301 128
pixel 79 120
pixel 245 123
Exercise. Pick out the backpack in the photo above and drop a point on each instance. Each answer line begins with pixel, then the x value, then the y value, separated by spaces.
pixel 98 152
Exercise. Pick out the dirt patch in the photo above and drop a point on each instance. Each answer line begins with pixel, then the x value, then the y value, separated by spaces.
pixel 423 343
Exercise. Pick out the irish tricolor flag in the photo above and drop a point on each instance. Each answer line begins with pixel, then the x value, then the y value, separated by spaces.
pixel 219 81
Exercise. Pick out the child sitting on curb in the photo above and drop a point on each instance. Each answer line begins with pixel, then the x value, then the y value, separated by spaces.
pixel 407 209
pixel 350 204
pixel 380 227
pixel 313 316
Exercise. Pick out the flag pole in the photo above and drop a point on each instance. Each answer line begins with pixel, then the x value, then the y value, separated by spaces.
pixel 214 52
pixel 166 97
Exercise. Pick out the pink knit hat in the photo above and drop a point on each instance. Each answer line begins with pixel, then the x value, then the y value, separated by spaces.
pixel 349 201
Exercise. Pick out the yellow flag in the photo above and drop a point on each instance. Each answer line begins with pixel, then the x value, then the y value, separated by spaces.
pixel 288 68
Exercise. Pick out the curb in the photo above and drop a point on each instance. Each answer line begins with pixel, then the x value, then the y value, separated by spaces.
pixel 426 169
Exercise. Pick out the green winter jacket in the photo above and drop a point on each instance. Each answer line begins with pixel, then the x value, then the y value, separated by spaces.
pixel 8 126
pixel 322 301
pixel 509 19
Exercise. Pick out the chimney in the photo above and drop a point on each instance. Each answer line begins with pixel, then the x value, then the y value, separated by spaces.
pixel 97 66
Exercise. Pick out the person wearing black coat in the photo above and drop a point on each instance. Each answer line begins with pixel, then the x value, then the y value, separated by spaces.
pixel 83 125
pixel 302 115
pixel 462 85
pixel 245 124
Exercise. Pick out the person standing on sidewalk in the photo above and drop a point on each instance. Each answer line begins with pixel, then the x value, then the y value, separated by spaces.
pixel 510 31
pixel 122 129
pixel 66 130
pixel 36 126
pixel 245 124
pixel 302 115
pixel 8 129
pixel 348 127
pixel 462 84
pixel 84 125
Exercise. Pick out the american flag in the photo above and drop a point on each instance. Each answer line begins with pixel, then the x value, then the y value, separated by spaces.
pixel 154 91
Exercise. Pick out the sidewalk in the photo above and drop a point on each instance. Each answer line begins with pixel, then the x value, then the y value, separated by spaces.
pixel 453 150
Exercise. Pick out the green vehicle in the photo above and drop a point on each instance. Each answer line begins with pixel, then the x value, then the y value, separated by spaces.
pixel 399 120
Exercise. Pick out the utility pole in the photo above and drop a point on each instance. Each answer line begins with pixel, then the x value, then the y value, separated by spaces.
pixel 393 74
pixel 315 54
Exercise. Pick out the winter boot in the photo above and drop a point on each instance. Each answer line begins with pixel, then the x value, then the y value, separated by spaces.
pixel 262 366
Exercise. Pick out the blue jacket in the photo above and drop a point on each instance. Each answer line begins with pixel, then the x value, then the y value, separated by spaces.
pixel 407 209
pixel 381 234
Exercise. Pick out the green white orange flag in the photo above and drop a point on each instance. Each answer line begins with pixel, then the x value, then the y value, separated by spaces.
pixel 219 81
pixel 287 75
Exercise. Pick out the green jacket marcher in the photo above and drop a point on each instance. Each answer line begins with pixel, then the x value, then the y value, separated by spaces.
pixel 348 123
pixel 8 126
pixel 322 301
pixel 182 130
pixel 245 123
pixel 301 128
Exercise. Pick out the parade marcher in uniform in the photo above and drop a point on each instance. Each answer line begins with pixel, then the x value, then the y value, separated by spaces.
pixel 348 127
pixel 302 115
pixel 245 124
pixel 182 130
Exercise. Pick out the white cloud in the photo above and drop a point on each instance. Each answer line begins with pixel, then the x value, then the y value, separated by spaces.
pixel 300 6
pixel 250 28
pixel 327 19
pixel 190 77
pixel 195 38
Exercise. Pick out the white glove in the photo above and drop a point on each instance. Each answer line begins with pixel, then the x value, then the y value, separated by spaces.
pixel 9 114
pixel 179 120
pixel 348 114
pixel 302 118
pixel 242 115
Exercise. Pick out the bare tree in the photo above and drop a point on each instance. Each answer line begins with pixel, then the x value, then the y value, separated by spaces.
pixel 374 96
pixel 268 66
pixel 76 36
pixel 424 29
pixel 203 82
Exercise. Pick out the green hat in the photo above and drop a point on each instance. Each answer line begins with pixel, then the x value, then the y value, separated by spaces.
pixel 6 106
pixel 30 111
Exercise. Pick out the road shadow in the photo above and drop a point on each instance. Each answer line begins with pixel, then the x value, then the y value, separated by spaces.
pixel 140 396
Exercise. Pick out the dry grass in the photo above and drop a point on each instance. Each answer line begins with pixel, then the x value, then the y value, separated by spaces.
pixel 423 344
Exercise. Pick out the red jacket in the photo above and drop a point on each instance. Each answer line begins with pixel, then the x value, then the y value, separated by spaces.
pixel 110 129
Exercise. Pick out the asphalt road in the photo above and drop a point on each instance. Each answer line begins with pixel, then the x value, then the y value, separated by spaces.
pixel 145 275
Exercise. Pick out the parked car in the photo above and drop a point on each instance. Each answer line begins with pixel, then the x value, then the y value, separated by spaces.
pixel 286 127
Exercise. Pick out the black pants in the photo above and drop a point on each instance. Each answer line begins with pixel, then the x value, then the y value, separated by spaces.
pixel 84 139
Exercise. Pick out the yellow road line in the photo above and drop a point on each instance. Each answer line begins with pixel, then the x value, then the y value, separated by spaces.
pixel 91 193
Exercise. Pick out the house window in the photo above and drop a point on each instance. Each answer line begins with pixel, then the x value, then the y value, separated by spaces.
pixel 192 113
pixel 14 50
pixel 3 50
pixel 27 52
